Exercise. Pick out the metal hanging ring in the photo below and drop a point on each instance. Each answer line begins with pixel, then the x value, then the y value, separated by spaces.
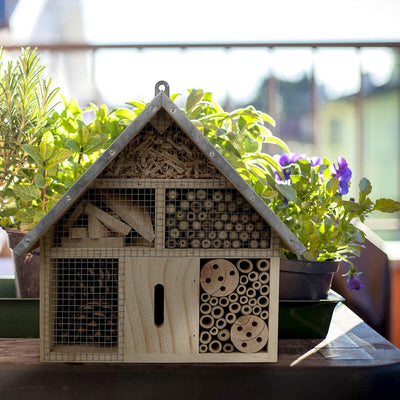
pixel 159 89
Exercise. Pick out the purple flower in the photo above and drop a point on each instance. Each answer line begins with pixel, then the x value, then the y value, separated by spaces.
pixel 353 282
pixel 285 160
pixel 343 173
pixel 314 161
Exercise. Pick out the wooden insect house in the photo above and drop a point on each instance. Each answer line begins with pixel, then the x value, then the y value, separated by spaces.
pixel 160 252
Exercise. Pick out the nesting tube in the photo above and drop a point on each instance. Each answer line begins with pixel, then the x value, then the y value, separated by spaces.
pixel 202 216
pixel 244 236
pixel 226 244
pixel 206 321
pixel 254 244
pixel 264 277
pixel 217 311
pixel 233 297
pixel 201 234
pixel 221 207
pixel 205 308
pixel 208 204
pixel 249 227
pixel 253 276
pixel 233 235
pixel 180 215
pixel 246 309
pixel 255 235
pixel 174 233
pixel 203 348
pixel 252 302
pixel 263 244
pixel 234 308
pixel 172 194
pixel 231 207
pixel 256 310
pixel 256 285
pixel 195 206
pixel 184 205
pixel 206 243
pixel 205 337
pixel 195 243
pixel 214 301
pixel 201 194
pixel 196 225
pixel 230 318
pixel 228 348
pixel 190 196
pixel 170 208
pixel 241 290
pixel 215 346
pixel 220 323
pixel 217 196
pixel 244 265
pixel 182 244
pixel 263 301
pixel 214 331
pixel 191 216
pixel 264 314
pixel 183 225
pixel 223 335
pixel 170 222
pixel 223 301
pixel 264 290
pixel 243 299
pixel 239 227
pixel 243 279
pixel 213 215
pixel 217 243
pixel 251 293
pixel 170 244
pixel 218 225
pixel 205 297
pixel 236 244
pixel 222 235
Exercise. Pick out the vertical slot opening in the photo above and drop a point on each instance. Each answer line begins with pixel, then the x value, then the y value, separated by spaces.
pixel 158 305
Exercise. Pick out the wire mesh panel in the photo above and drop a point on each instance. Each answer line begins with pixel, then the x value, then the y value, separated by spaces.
pixel 234 305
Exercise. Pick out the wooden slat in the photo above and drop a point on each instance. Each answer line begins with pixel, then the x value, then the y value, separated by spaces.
pixel 96 229
pixel 162 183
pixel 74 216
pixel 111 222
pixel 107 243
pixel 78 233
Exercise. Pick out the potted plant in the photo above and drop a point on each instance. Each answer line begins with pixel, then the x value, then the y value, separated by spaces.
pixel 42 152
pixel 308 194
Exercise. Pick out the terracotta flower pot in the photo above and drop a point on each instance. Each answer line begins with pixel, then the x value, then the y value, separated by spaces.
pixel 306 280
pixel 26 267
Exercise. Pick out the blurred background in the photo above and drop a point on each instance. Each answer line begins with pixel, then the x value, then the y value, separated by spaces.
pixel 328 72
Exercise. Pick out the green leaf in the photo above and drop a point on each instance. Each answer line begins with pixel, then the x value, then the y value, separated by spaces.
pixel 34 152
pixel 73 145
pixel 58 156
pixel 174 96
pixel 46 146
pixel 27 192
pixel 288 191
pixel 279 142
pixel 123 113
pixel 42 182
pixel 387 205
pixel 365 186
pixel 194 97
pixel 332 186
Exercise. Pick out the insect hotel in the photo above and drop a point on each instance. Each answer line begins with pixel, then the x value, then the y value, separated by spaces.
pixel 160 252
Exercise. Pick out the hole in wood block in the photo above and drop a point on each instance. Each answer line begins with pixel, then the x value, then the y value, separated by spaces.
pixel 159 305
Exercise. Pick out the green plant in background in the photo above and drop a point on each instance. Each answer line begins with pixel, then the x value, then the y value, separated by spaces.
pixel 42 151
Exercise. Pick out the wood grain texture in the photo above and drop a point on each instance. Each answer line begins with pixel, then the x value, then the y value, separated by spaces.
pixel 180 332
pixel 96 229
pixel 116 242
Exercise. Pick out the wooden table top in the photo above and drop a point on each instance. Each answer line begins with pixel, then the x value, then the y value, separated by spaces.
pixel 353 360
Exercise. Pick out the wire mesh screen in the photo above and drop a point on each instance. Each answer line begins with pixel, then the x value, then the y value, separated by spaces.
pixel 212 219
pixel 86 309
pixel 234 305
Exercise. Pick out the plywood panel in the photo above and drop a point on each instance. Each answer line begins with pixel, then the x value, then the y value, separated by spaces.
pixel 179 333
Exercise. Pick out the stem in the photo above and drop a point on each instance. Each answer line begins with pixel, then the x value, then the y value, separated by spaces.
pixel 44 191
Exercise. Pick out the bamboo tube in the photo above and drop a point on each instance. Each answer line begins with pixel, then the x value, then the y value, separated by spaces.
pixel 259 225
pixel 195 244
pixel 264 314
pixel 217 312
pixel 215 346
pixel 236 244
pixel 174 233
pixel 254 244
pixel 246 309
pixel 206 321
pixel 214 331
pixel 214 301
pixel 250 293
pixel 244 219
pixel 231 207
pixel 263 244
pixel 183 225
pixel 246 207
pixel 228 226
pixel 244 236
pixel 205 297
pixel 170 222
pixel 253 276
pixel 265 234
pixel 224 335
pixel 243 300
pixel 208 204
pixel 263 265
pixel 243 279
pixel 217 196
pixel 264 277
pixel 220 323
pixel 255 235
pixel 221 207
pixel 171 244
pixel 252 302
pixel 183 244
pixel 202 215
pixel 249 227
pixel 239 227
pixel 203 348
pixel 205 337
pixel 224 217
pixel 170 208
pixel 256 310
pixel 223 301
pixel 244 265
pixel 184 205
pixel 218 225
pixel 180 215
pixel 226 244
pixel 191 216
pixel 234 308
pixel 196 225
pixel 201 194
pixel 233 297
pixel 206 225
pixel 234 218
pixel 230 318
pixel 191 196
pixel 217 243
pixel 213 215
pixel 255 217
pixel 256 285
pixel 264 290
pixel 172 194
pixel 241 290
pixel 222 235
pixel 201 234
pixel 263 301
pixel 228 348
pixel 212 235
pixel 240 200
pixel 195 206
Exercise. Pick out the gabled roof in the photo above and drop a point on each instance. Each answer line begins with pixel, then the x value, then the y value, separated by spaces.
pixel 160 101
